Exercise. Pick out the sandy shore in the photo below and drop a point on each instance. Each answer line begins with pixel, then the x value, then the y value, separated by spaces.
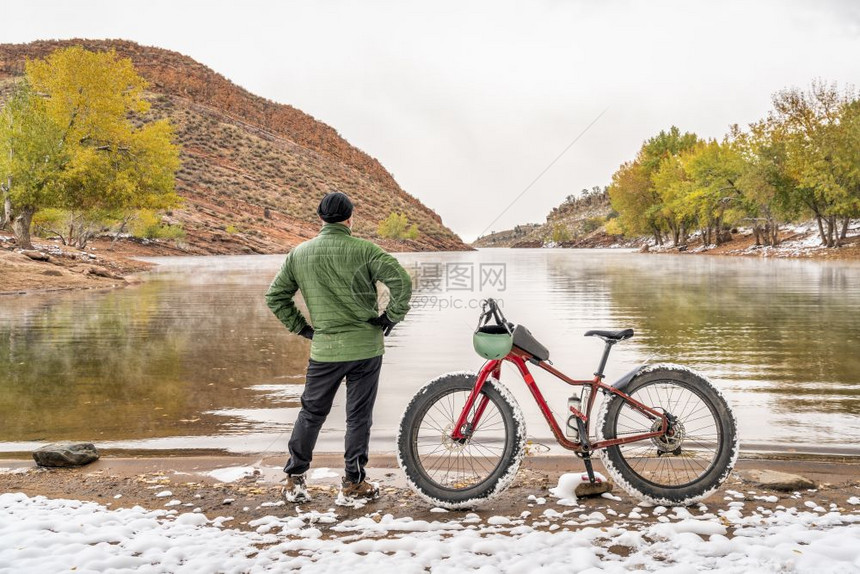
pixel 64 270
pixel 249 488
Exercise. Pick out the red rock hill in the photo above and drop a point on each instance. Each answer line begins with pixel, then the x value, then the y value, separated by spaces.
pixel 253 170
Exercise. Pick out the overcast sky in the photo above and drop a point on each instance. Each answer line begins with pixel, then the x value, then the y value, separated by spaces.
pixel 467 102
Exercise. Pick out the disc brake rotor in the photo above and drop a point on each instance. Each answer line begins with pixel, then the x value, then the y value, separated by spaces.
pixel 450 444
pixel 670 442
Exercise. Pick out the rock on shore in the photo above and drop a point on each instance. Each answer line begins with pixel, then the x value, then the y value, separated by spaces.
pixel 66 454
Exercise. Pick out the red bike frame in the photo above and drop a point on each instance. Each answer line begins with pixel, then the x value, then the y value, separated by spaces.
pixel 463 429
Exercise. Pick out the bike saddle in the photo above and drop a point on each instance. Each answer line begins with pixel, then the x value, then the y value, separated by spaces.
pixel 611 335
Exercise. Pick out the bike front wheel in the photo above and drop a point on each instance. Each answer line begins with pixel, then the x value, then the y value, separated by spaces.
pixel 684 465
pixel 460 474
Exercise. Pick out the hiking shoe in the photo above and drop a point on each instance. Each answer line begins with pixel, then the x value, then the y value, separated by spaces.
pixel 295 489
pixel 356 493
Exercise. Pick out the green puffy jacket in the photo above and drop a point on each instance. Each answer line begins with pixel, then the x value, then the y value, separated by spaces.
pixel 337 274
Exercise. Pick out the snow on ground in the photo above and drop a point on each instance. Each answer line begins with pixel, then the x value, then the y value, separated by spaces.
pixel 49 535
pixel 565 491
pixel 321 473
pixel 231 473
pixel 797 240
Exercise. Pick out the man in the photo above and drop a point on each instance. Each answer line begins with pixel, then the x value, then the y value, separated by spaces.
pixel 337 275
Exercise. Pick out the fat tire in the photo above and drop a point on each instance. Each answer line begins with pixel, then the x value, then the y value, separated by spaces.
pixel 727 451
pixel 498 480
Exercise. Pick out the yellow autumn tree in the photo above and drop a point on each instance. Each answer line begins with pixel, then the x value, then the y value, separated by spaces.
pixel 81 116
pixel 396 226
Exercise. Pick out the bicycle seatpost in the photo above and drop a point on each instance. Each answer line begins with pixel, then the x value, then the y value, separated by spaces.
pixel 606 349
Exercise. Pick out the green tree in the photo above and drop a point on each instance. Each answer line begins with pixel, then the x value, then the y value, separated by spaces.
pixel 673 185
pixel 713 169
pixel 631 195
pixel 804 155
pixel 769 191
pixel 820 131
pixel 846 160
pixel 82 116
pixel 31 155
pixel 396 226
pixel 632 192
pixel 666 144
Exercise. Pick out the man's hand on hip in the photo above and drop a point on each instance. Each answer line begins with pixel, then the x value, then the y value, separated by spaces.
pixel 383 322
pixel 307 332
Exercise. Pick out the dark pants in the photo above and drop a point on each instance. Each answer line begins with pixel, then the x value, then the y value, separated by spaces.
pixel 323 380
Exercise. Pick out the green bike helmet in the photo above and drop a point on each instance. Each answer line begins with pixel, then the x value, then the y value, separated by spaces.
pixel 492 342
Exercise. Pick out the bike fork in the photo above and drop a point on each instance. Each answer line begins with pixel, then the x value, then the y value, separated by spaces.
pixel 475 399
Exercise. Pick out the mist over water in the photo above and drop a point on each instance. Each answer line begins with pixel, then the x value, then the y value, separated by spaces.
pixel 193 359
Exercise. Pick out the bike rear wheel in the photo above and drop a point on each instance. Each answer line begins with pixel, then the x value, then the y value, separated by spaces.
pixel 459 474
pixel 684 466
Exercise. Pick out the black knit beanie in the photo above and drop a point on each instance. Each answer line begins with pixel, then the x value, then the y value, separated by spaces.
pixel 335 207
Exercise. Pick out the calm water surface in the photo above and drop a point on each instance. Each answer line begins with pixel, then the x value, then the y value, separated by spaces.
pixel 192 358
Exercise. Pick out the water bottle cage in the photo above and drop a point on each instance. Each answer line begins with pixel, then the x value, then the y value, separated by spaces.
pixel 575 413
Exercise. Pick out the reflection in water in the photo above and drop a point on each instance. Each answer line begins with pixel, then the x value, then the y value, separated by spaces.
pixel 192 358
pixel 148 361
pixel 780 336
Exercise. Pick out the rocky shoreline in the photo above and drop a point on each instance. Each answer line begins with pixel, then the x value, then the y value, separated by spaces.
pixel 49 269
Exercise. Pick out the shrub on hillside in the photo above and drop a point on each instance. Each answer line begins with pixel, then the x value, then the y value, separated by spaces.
pixel 147 224
pixel 560 233
pixel 613 227
pixel 592 224
pixel 396 226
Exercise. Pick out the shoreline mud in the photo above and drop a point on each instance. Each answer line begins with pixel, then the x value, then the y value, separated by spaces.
pixel 247 488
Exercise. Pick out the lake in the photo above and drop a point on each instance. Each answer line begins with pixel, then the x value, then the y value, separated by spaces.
pixel 192 358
